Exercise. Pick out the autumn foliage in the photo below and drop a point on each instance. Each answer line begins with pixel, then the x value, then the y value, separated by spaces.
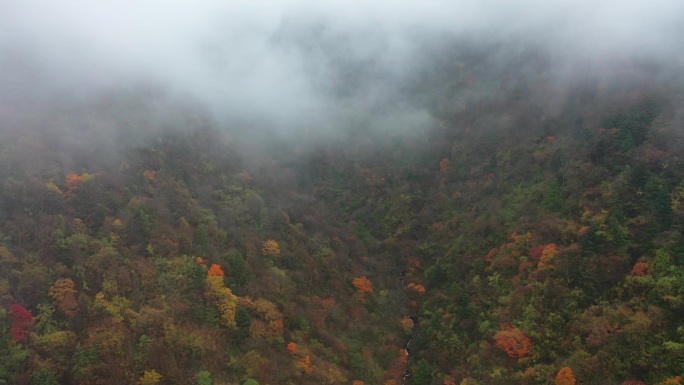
pixel 216 270
pixel 416 288
pixel 270 248
pixel 565 376
pixel 221 296
pixel 73 181
pixel 149 174
pixel 641 268
pixel 513 341
pixel 305 364
pixel 548 255
pixel 677 380
pixel 21 319
pixel 64 296
pixel 363 285
pixel 150 377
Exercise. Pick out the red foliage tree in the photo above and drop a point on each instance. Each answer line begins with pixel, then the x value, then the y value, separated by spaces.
pixel 641 268
pixel 21 319
pixel 536 252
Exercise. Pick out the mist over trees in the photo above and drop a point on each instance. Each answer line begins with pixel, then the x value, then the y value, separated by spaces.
pixel 377 193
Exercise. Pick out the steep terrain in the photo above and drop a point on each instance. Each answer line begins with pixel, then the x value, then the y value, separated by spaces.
pixel 529 232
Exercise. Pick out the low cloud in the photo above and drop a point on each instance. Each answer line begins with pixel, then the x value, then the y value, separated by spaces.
pixel 299 62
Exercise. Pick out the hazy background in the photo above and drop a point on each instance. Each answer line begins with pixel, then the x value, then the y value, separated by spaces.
pixel 293 63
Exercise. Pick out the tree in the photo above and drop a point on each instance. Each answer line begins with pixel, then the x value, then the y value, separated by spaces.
pixel 12 355
pixel 363 285
pixel 21 319
pixel 44 376
pixel 64 296
pixel 548 255
pixel 305 364
pixel 641 268
pixel 73 181
pixel 416 288
pixel 216 270
pixel 513 342
pixel 565 376
pixel 204 378
pixel 222 297
pixel 150 377
pixel 270 248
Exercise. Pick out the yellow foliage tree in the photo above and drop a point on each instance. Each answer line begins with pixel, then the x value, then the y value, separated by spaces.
pixel 150 377
pixel 270 248
pixel 223 298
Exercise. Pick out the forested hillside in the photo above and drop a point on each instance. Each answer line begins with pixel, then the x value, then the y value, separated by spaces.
pixel 528 232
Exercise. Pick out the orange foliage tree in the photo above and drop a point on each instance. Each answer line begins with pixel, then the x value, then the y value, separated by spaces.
pixel 548 254
pixel 416 288
pixel 292 347
pixel 216 270
pixel 407 324
pixel 677 380
pixel 565 376
pixel 73 181
pixel 363 285
pixel 305 364
pixel 513 341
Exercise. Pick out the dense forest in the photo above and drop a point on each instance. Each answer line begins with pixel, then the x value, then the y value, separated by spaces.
pixel 526 228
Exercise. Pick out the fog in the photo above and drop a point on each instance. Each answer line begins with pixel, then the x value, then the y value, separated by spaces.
pixel 292 63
